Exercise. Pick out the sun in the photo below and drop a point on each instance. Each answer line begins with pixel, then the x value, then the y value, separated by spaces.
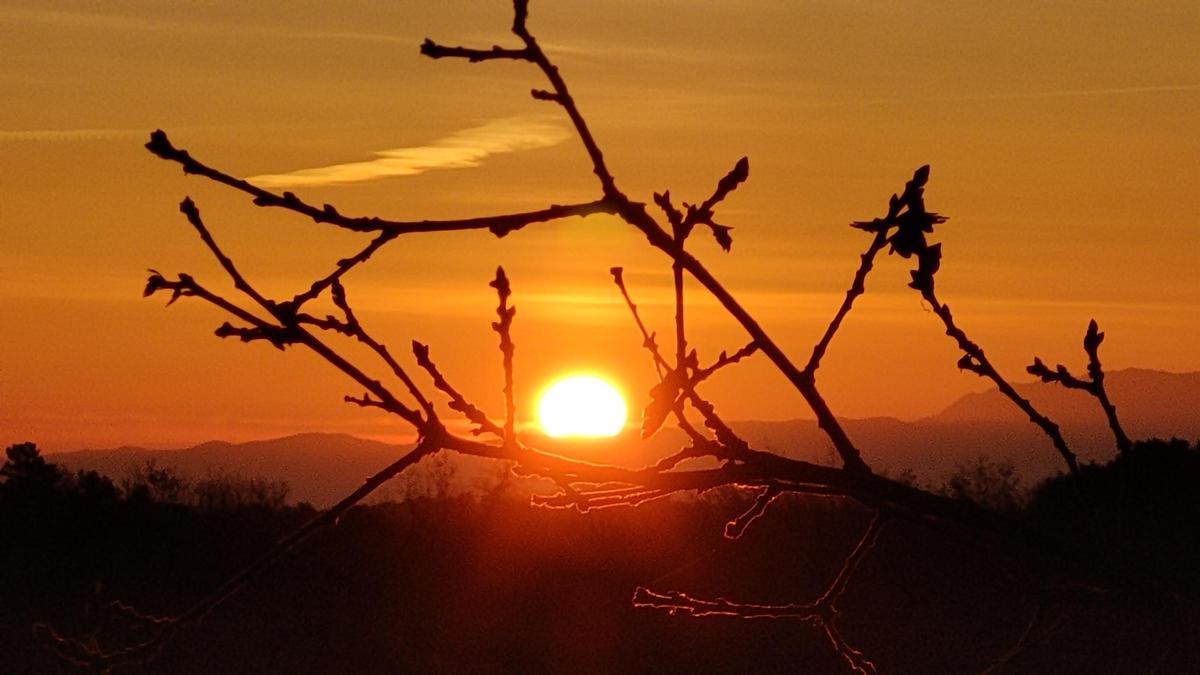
pixel 581 406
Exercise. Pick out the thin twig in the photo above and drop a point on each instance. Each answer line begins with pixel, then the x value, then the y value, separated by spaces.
pixel 977 362
pixel 356 329
pixel 1094 385
pixel 343 266
pixel 857 288
pixel 458 402
pixel 503 327
pixel 822 612
pixel 188 208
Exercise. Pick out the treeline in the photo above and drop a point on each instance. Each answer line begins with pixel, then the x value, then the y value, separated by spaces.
pixel 29 479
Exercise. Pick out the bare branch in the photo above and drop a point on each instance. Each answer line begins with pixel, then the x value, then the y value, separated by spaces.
pixel 907 213
pixel 735 528
pixel 666 395
pixel 343 266
pixel 457 402
pixel 723 361
pixel 188 208
pixel 857 288
pixel 647 337
pixel 435 51
pixel 977 362
pixel 503 328
pixel 1094 385
pixel 364 401
pixel 356 329
pixel 186 286
pixel 289 333
pixel 703 214
pixel 635 214
pixel 278 337
pixel 499 225
pixel 821 613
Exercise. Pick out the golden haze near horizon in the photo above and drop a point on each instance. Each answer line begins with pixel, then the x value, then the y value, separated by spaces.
pixel 1064 140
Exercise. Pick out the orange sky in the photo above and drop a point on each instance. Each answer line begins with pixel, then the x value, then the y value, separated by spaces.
pixel 1064 139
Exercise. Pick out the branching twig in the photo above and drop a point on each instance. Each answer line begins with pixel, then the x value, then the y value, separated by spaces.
pixel 822 612
pixel 668 395
pixel 503 327
pixel 735 528
pixel 356 329
pixel 458 402
pixel 858 286
pixel 723 360
pixel 1094 385
pixel 635 214
pixel 343 266
pixel 977 362
pixel 907 213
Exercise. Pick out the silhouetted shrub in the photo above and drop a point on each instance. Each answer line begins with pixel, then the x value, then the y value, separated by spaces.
pixel 992 484
pixel 149 481
pixel 1139 513
pixel 223 492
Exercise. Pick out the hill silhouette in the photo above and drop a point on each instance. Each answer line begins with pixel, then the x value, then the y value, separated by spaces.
pixel 428 585
pixel 1150 403
pixel 321 468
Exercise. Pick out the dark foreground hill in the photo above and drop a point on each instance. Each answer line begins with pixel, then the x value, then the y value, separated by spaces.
pixel 487 583
pixel 452 586
pixel 321 468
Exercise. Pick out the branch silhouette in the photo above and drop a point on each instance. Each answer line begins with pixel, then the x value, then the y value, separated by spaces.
pixel 1094 385
pixel 587 485
pixel 912 222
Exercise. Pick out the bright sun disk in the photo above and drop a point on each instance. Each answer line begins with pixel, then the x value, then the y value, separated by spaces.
pixel 581 406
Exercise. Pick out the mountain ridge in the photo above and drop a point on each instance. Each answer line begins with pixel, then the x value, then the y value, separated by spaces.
pixel 322 467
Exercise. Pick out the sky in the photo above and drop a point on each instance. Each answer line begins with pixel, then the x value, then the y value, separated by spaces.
pixel 1064 140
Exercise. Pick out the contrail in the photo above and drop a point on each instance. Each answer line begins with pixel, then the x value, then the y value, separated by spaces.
pixel 60 135
pixel 466 148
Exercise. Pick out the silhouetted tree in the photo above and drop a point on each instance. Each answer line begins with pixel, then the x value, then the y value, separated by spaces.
pixel 286 322
pixel 26 472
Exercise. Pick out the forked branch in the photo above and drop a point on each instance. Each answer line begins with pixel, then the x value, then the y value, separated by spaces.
pixel 912 222
pixel 635 214
pixel 1094 385
pixel 821 612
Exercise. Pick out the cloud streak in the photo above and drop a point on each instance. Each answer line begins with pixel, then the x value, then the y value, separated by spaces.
pixel 1012 96
pixel 91 20
pixel 66 135
pixel 462 149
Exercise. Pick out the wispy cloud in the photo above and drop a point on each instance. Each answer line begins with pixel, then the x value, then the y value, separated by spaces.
pixel 95 20
pixel 1013 96
pixel 676 54
pixel 462 149
pixel 67 135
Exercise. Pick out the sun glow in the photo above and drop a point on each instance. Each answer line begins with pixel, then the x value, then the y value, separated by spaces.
pixel 581 406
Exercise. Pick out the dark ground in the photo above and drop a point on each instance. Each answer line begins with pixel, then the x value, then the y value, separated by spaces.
pixel 470 585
